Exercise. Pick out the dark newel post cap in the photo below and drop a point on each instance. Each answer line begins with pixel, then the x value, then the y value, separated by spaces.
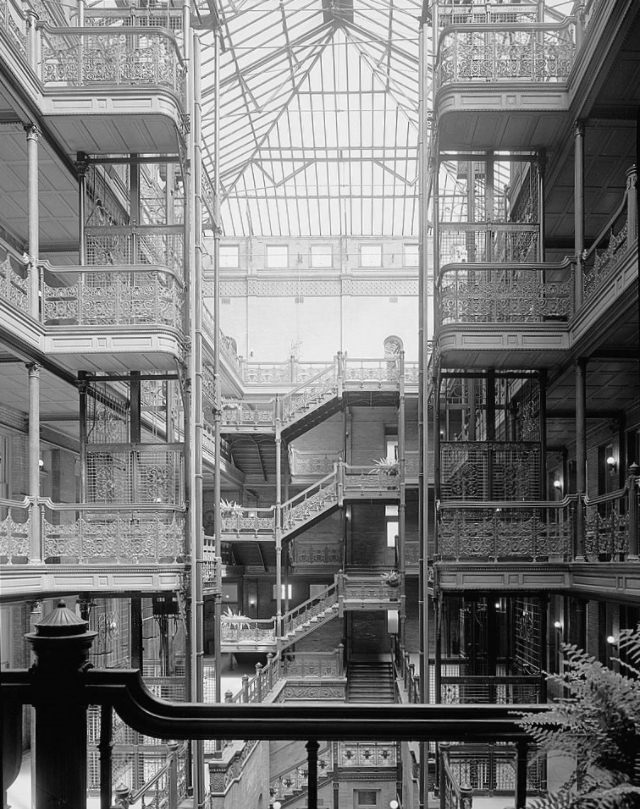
pixel 61 641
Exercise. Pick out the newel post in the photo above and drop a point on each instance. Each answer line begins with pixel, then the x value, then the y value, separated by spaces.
pixel 61 644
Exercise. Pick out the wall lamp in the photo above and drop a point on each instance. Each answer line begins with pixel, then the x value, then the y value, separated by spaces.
pixel 557 484
pixel 557 625
pixel 394 803
pixel 611 639
pixel 612 464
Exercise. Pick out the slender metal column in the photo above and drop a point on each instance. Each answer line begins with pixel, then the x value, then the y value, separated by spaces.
pixel 312 776
pixel 521 774
pixel 105 747
pixel 33 136
pixel 581 452
pixel 542 427
pixel 402 505
pixel 578 192
pixel 278 536
pixel 35 551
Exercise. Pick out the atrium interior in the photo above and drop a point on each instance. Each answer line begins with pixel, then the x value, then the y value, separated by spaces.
pixel 319 395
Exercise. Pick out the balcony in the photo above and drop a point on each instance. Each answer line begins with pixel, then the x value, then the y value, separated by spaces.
pixel 63 547
pixel 587 544
pixel 497 306
pixel 504 314
pixel 125 86
pixel 486 68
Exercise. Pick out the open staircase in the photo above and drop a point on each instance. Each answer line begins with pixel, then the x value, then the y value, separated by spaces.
pixel 370 681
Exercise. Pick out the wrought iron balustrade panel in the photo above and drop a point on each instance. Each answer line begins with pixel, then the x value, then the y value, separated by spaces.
pixel 111 58
pixel 115 299
pixel 147 474
pixel 15 532
pixel 14 285
pixel 143 245
pixel 472 295
pixel 534 54
pixel 117 537
pixel 526 532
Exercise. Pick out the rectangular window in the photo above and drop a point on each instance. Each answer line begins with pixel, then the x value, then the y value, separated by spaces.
pixel 230 256
pixel 284 593
pixel 366 798
pixel 371 255
pixel 411 255
pixel 321 256
pixel 277 256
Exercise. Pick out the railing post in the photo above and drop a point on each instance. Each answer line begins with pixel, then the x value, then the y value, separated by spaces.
pixel 245 688
pixel 579 15
pixel 634 511
pixel 259 682
pixel 340 480
pixel 33 37
pixel 173 774
pixel 340 659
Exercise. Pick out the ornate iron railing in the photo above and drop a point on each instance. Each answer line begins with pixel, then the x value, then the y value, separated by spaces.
pixel 294 780
pixel 490 470
pixel 109 57
pixel 13 25
pixel 101 297
pixel 474 14
pixel 310 394
pixel 14 283
pixel 359 480
pixel 310 462
pixel 119 534
pixel 383 373
pixel 310 503
pixel 602 260
pixel 531 52
pixel 287 665
pixel 240 629
pixel 15 531
pixel 504 293
pixel 244 413
pixel 248 522
pixel 484 769
pixel 323 605
pixel 607 525
pixel 379 589
pixel 506 530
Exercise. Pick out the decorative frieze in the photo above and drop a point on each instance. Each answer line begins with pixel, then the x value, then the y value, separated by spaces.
pixel 319 287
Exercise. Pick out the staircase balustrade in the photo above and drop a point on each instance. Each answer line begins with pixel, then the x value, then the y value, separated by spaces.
pixel 311 502
pixel 310 394
pixel 245 413
pixel 248 522
pixel 323 606
pixel 294 781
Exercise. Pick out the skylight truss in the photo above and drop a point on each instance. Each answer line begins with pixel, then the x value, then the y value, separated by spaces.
pixel 318 116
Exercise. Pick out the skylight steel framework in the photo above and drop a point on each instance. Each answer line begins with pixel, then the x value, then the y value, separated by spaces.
pixel 318 116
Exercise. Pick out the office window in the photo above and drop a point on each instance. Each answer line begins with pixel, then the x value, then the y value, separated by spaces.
pixel 277 256
pixel 411 255
pixel 230 256
pixel 286 592
pixel 321 255
pixel 371 255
